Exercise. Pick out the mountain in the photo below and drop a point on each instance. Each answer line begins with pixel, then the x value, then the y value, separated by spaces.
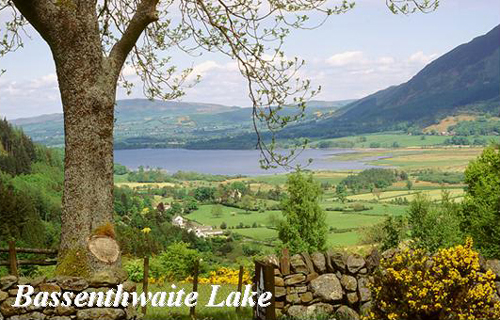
pixel 142 123
pixel 466 79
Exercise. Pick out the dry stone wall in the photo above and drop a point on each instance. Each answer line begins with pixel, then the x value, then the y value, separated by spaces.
pixel 323 283
pixel 100 282
pixel 333 283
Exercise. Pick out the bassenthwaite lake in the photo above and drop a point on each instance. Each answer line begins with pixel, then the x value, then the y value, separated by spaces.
pixel 231 162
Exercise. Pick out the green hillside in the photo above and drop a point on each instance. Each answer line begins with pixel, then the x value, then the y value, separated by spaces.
pixel 142 123
pixel 465 79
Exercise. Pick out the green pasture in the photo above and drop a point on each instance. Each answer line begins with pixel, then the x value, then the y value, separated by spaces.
pixel 343 239
pixel 202 311
pixel 337 220
pixel 261 234
pixel 434 194
pixel 231 216
pixel 386 140
pixel 409 159
pixel 333 177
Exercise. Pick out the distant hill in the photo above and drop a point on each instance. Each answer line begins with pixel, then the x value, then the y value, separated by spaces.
pixel 466 79
pixel 142 123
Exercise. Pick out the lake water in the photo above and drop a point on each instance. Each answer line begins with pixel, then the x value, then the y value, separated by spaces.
pixel 227 162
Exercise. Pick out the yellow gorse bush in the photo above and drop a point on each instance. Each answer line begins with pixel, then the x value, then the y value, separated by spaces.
pixel 447 285
pixel 223 276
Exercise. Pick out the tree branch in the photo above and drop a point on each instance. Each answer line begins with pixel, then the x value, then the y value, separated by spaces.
pixel 145 14
pixel 41 14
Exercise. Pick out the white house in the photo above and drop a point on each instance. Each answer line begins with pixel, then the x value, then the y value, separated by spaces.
pixel 179 221
pixel 200 231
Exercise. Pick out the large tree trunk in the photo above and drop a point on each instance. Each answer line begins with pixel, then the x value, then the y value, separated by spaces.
pixel 88 184
pixel 88 97
pixel 87 83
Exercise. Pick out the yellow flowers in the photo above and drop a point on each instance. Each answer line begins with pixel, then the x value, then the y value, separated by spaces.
pixel 146 230
pixel 447 285
pixel 223 276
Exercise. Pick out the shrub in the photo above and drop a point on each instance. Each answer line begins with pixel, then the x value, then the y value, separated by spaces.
pixel 305 226
pixel 371 178
pixel 394 231
pixel 223 276
pixel 177 262
pixel 434 225
pixel 357 207
pixel 447 285
pixel 135 270
pixel 481 206
pixel 250 250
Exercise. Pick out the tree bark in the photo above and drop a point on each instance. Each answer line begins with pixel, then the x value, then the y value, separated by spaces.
pixel 87 82
pixel 88 87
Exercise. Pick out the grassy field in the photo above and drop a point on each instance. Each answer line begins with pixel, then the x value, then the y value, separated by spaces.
pixel 202 312
pixel 386 196
pixel 446 159
pixel 335 219
pixel 231 216
pixel 320 176
pixel 144 184
pixel 386 140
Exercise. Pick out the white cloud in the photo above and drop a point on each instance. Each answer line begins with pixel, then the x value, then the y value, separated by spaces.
pixel 31 97
pixel 345 75
pixel 346 58
pixel 386 60
pixel 47 81
pixel 421 58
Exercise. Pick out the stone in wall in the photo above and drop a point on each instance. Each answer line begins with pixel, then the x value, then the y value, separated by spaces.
pixel 331 282
pixel 102 281
pixel 336 283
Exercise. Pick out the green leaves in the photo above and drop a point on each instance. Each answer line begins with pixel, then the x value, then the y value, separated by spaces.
pixel 481 206
pixel 304 228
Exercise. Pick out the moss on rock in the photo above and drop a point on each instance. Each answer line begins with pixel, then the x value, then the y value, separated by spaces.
pixel 74 263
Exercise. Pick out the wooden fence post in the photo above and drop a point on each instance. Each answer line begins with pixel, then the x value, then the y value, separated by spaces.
pixel 240 286
pixel 264 282
pixel 145 282
pixel 13 259
pixel 285 262
pixel 192 310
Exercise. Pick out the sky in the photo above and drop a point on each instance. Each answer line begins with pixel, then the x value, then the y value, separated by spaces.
pixel 352 55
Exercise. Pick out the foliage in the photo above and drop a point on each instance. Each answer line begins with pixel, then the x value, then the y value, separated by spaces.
pixel 441 176
pixel 135 270
pixel 481 126
pixel 304 228
pixel 149 175
pixel 223 276
pixel 17 151
pixel 178 261
pixel 250 250
pixel 120 169
pixel 247 203
pixel 481 206
pixel 216 211
pixel 448 285
pixel 341 192
pixel 372 178
pixel 335 144
pixel 204 194
pixel 434 225
pixel 192 176
pixel 393 232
